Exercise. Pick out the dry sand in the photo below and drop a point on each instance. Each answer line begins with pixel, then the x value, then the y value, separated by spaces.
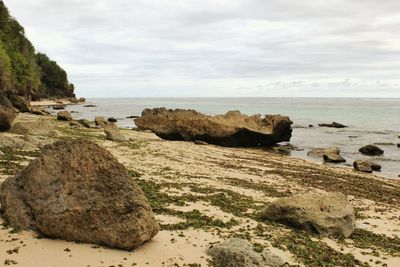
pixel 224 184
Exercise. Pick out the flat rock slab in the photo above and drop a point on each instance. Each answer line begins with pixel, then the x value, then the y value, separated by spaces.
pixel 77 191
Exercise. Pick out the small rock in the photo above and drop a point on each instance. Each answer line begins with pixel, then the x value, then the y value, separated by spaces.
pixel 82 100
pixel 89 106
pixel 202 143
pixel 58 107
pixel 333 158
pixel 328 214
pixel 85 123
pixel 310 126
pixel 74 100
pixel 64 116
pixel 39 111
pixel 236 252
pixel 362 166
pixel 371 150
pixel 75 124
pixel 132 117
pixel 332 125
pixel 113 133
pixel 112 119
pixel 101 121
pixel 398 145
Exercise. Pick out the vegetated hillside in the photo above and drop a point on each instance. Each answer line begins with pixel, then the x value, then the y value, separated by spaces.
pixel 25 74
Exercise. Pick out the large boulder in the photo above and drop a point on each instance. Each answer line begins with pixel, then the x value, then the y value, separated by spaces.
pixel 232 129
pixel 77 191
pixel 19 102
pixel 236 252
pixel 371 150
pixel 64 116
pixel 328 214
pixel 113 133
pixel 37 110
pixel 366 166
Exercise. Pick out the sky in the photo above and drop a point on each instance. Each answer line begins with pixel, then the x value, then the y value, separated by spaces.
pixel 220 48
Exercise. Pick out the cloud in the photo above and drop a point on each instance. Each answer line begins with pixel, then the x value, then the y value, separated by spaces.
pixel 220 47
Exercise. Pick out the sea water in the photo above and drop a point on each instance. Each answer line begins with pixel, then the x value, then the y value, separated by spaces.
pixel 369 121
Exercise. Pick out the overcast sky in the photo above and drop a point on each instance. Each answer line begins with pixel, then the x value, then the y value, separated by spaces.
pixel 141 48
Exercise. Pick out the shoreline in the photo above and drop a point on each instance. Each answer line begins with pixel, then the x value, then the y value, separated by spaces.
pixel 221 183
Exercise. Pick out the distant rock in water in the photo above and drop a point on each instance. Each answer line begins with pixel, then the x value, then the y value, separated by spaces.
pixel 328 214
pixel 236 252
pixel 232 129
pixel 89 106
pixel 58 107
pixel 332 125
pixel 112 119
pixel 77 191
pixel 371 150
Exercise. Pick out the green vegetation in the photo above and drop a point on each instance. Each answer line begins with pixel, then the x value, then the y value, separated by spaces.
pixel 22 71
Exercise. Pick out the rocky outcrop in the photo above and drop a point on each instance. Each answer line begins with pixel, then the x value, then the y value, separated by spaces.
pixel 77 191
pixel 232 129
pixel 64 116
pixel 366 166
pixel 236 252
pixel 332 125
pixel 371 150
pixel 113 133
pixel 328 214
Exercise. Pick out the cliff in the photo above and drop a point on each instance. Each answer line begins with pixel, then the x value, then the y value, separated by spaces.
pixel 24 74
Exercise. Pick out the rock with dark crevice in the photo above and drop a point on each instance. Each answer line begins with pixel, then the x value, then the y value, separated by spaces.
pixel 78 191
pixel 232 129
pixel 64 116
pixel 366 166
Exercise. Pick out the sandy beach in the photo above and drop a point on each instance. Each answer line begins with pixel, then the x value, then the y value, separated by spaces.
pixel 202 194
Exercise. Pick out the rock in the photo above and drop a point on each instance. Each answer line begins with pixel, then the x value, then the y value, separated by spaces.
pixel 74 124
pixel 82 100
pixel 332 125
pixel 333 158
pixel 232 129
pixel 39 111
pixel 371 150
pixel 132 117
pixel 36 127
pixel 58 107
pixel 286 149
pixel 20 103
pixel 77 191
pixel 398 145
pixel 328 214
pixel 89 106
pixel 311 126
pixel 74 100
pixel 64 116
pixel 366 166
pixel 86 123
pixel 101 121
pixel 237 252
pixel 113 133
pixel 201 143
pixel 7 116
pixel 112 119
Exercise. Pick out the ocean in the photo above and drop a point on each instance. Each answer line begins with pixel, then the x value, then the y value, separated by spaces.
pixel 370 121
